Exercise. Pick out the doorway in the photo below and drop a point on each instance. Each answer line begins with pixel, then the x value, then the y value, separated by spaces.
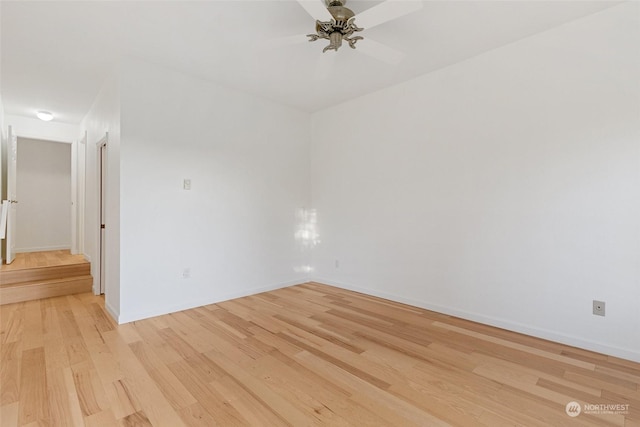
pixel 44 185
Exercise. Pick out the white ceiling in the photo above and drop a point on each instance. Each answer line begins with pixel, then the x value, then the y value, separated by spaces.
pixel 56 54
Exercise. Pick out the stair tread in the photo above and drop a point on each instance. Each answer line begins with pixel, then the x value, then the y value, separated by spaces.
pixel 39 274
pixel 41 269
pixel 8 268
pixel 44 275
pixel 47 281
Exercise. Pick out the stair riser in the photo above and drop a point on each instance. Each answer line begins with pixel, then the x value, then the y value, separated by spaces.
pixel 28 292
pixel 44 273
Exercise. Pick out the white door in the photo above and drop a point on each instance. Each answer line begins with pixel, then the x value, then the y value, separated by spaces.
pixel 12 161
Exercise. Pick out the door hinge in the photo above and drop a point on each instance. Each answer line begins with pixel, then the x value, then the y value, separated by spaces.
pixel 101 225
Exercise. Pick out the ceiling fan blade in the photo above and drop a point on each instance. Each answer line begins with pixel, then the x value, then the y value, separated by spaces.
pixel 386 11
pixel 316 9
pixel 282 41
pixel 380 51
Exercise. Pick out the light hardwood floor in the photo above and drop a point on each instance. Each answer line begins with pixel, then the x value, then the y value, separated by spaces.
pixel 306 355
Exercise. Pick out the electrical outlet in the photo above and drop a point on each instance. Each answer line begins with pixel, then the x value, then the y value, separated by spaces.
pixel 186 273
pixel 598 308
pixel 337 263
pixel 186 184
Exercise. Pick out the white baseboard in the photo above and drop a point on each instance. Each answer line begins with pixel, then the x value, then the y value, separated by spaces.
pixel 42 249
pixel 112 312
pixel 623 353
pixel 131 317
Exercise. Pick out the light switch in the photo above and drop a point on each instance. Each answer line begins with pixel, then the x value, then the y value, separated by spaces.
pixel 186 184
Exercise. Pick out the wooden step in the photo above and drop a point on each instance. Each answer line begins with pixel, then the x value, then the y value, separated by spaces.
pixel 38 274
pixel 19 292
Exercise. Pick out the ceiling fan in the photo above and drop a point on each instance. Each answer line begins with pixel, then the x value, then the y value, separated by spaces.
pixel 337 23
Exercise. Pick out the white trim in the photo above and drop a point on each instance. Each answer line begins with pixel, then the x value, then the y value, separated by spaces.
pixel 81 184
pixel 132 317
pixel 97 277
pixel 42 249
pixel 74 198
pixel 624 353
pixel 112 312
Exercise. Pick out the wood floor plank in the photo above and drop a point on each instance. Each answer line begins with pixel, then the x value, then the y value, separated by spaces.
pixel 214 403
pixel 300 356
pixel 149 334
pixel 264 394
pixel 252 410
pixel 33 331
pixel 63 401
pixel 122 400
pixel 90 390
pixel 481 359
pixel 364 392
pixel 318 402
pixel 12 322
pixel 11 362
pixel 101 419
pixel 195 415
pixel 137 419
pixel 34 406
pixel 516 346
pixel 140 384
pixel 169 385
pixel 9 414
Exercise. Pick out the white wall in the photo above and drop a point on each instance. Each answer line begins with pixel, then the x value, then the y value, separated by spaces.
pixel 33 128
pixel 504 189
pixel 248 161
pixel 3 167
pixel 3 148
pixel 43 220
pixel 103 118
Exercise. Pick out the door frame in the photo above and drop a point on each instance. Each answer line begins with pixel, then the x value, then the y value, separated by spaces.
pixel 12 173
pixel 77 237
pixel 102 146
pixel 74 198
pixel 81 192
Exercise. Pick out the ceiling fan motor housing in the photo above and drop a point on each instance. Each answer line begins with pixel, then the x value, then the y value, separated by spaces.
pixel 341 14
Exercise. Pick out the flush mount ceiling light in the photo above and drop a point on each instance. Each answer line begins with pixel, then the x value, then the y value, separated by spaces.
pixel 341 27
pixel 44 115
